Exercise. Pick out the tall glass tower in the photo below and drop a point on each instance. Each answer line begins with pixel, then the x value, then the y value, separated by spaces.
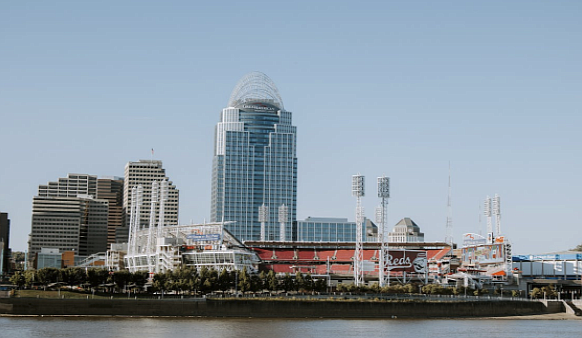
pixel 255 163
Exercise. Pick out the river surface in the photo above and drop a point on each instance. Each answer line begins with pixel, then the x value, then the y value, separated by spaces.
pixel 83 327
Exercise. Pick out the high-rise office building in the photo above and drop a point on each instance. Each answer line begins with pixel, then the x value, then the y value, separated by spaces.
pixel 143 173
pixel 4 242
pixel 255 163
pixel 67 216
pixel 111 189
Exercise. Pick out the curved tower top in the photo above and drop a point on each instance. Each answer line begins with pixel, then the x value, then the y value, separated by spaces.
pixel 255 87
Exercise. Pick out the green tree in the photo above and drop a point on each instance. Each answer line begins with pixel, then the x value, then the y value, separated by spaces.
pixel 288 282
pixel 224 280
pixel 72 276
pixel 139 279
pixel 272 282
pixel 18 279
pixel 46 276
pixel 96 277
pixel 298 285
pixel 159 281
pixel 244 281
pixel 121 278
pixel 578 248
pixel 30 277
pixel 536 293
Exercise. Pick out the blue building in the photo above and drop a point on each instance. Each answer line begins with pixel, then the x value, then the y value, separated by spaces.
pixel 328 229
pixel 255 162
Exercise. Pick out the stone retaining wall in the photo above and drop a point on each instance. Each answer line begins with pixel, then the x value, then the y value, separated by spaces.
pixel 271 308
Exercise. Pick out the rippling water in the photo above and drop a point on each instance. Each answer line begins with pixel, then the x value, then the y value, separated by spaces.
pixel 47 327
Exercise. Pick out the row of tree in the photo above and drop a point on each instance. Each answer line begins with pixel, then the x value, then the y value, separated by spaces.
pixel 206 280
pixel 83 278
pixel 189 280
pixel 183 281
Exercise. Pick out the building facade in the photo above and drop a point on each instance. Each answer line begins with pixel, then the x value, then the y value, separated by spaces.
pixel 405 231
pixel 111 189
pixel 4 243
pixel 76 224
pixel 67 216
pixel 255 163
pixel 326 229
pixel 143 173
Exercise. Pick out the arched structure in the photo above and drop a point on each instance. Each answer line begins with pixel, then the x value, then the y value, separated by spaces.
pixel 255 87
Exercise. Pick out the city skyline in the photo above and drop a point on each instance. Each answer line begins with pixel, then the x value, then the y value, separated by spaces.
pixel 399 90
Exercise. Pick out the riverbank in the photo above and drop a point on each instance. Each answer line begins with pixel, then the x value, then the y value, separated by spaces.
pixel 266 308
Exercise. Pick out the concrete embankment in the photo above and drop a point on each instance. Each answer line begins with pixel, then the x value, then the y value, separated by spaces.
pixel 271 308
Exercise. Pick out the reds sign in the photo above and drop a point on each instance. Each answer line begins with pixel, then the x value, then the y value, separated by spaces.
pixel 406 260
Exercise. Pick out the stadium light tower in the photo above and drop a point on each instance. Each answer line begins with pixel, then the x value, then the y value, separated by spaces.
pixel 497 213
pixel 263 217
pixel 381 214
pixel 487 212
pixel 358 192
pixel 151 240
pixel 283 210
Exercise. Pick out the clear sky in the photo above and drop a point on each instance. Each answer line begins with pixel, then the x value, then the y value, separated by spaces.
pixel 398 88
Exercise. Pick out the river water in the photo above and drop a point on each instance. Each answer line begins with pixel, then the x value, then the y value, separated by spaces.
pixel 83 327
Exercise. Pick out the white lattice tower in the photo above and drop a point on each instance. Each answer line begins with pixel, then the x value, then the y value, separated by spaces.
pixel 137 224
pixel 150 247
pixel 283 218
pixel 487 213
pixel 381 219
pixel 358 192
pixel 161 220
pixel 263 217
pixel 131 239
pixel 497 213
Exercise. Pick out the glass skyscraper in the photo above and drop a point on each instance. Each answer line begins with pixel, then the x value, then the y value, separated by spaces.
pixel 255 163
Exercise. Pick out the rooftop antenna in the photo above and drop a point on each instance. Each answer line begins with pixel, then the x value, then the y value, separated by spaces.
pixel 449 233
pixel 358 192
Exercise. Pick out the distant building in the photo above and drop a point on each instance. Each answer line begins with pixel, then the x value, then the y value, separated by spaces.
pixel 4 243
pixel 405 231
pixel 143 173
pixel 255 162
pixel 69 224
pixel 327 229
pixel 111 189
pixel 49 258
pixel 83 185
pixel 67 216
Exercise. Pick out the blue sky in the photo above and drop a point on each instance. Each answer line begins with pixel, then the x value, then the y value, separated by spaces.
pixel 393 88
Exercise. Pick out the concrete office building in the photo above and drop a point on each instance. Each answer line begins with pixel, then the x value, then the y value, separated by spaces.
pixel 405 231
pixel 255 163
pixel 143 173
pixel 76 224
pixel 67 216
